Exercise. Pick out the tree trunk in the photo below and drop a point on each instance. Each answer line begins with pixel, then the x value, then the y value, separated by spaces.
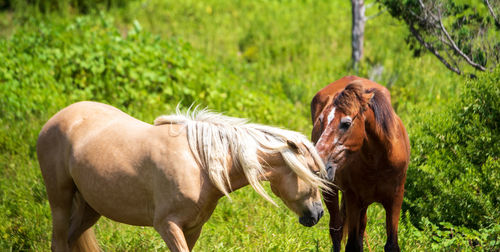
pixel 358 30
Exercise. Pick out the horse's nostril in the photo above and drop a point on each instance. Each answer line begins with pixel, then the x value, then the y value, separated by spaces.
pixel 312 215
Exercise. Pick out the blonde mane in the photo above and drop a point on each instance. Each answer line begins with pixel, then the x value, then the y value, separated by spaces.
pixel 212 137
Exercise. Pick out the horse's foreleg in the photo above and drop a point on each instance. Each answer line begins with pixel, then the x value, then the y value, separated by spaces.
pixel 336 218
pixel 192 236
pixel 173 235
pixel 354 212
pixel 392 210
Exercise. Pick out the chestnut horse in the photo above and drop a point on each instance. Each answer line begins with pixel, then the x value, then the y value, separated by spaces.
pixel 98 161
pixel 364 144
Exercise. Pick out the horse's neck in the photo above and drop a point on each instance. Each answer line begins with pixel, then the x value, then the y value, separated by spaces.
pixel 237 177
pixel 373 151
pixel 268 161
pixel 378 146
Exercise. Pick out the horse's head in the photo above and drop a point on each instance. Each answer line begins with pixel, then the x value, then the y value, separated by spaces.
pixel 341 124
pixel 296 177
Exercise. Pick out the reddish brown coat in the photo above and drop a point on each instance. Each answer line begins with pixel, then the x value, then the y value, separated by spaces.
pixel 364 143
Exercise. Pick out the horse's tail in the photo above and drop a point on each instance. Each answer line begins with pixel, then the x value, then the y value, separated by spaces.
pixel 87 241
pixel 367 243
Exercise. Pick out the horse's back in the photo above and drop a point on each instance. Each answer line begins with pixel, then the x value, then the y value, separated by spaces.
pixel 70 124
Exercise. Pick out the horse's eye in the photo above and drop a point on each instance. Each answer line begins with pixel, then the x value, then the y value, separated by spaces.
pixel 345 122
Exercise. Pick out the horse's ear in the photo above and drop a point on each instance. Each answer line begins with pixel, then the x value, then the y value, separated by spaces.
pixel 367 96
pixel 293 146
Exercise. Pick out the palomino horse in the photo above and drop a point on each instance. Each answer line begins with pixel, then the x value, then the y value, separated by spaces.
pixel 97 160
pixel 364 144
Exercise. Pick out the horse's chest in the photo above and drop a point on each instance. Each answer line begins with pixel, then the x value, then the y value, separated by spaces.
pixel 367 182
pixel 355 176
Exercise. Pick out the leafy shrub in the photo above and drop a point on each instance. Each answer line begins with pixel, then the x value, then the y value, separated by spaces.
pixel 454 175
pixel 54 65
pixel 61 6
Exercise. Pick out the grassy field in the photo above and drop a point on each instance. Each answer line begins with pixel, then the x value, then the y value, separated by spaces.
pixel 263 60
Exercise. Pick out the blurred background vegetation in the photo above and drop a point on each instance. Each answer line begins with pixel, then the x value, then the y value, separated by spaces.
pixel 263 60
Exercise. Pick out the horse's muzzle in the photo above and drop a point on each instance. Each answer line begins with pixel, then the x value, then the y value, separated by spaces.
pixel 312 216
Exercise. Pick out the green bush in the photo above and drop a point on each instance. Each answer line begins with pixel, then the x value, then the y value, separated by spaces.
pixel 454 174
pixel 53 65
pixel 60 6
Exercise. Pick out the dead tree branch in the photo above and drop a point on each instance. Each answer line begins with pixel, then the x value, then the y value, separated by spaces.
pixel 457 50
pixel 433 50
pixel 497 22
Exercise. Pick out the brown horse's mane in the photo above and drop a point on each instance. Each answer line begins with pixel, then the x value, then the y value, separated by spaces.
pixel 354 98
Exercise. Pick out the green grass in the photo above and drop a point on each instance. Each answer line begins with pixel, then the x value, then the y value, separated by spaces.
pixel 263 60
pixel 296 47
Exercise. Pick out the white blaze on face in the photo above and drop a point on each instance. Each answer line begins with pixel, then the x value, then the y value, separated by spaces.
pixel 331 115
pixel 320 118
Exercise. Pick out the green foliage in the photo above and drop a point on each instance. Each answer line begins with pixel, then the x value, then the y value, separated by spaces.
pixel 455 168
pixel 30 7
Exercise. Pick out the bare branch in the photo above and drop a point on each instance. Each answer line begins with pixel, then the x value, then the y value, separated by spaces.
pixel 374 16
pixel 492 13
pixel 421 4
pixel 450 57
pixel 433 50
pixel 370 5
pixel 455 47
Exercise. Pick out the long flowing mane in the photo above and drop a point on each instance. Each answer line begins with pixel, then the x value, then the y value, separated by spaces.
pixel 352 99
pixel 215 139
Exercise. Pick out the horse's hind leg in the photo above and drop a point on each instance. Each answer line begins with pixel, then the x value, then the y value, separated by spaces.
pixel 58 182
pixel 392 210
pixel 82 218
pixel 60 192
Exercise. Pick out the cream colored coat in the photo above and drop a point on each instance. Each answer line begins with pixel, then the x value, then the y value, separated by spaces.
pixel 97 160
